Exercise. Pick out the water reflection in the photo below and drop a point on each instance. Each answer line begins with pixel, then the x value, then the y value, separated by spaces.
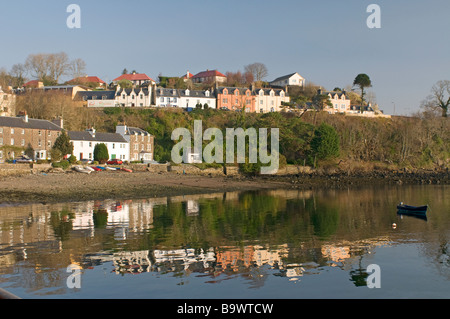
pixel 217 237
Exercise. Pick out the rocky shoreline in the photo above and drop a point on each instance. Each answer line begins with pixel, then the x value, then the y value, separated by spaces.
pixel 67 186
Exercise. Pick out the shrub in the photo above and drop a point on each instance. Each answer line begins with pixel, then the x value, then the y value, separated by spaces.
pixel 62 164
pixel 72 159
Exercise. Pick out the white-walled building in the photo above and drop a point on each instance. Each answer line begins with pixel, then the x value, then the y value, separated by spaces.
pixel 290 79
pixel 190 98
pixel 84 143
pixel 165 97
pixel 135 97
pixel 269 100
pixel 340 102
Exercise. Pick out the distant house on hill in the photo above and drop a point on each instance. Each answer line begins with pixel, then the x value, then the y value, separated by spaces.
pixel 209 76
pixel 287 80
pixel 135 78
pixel 97 98
pixel 93 81
pixel 339 100
pixel 33 84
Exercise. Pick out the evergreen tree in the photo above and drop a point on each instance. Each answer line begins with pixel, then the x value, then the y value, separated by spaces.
pixel 63 144
pixel 325 143
pixel 101 153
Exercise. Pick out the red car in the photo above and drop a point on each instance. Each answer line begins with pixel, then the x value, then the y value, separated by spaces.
pixel 114 162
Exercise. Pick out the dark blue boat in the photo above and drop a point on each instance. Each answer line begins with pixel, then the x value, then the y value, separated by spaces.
pixel 412 210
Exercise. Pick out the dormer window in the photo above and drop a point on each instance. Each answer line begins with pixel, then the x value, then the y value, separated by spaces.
pixel 225 91
pixel 187 92
pixel 207 93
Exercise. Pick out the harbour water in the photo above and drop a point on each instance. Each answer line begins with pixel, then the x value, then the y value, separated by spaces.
pixel 286 244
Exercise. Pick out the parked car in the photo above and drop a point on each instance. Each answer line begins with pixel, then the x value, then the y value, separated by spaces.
pixel 114 162
pixel 23 159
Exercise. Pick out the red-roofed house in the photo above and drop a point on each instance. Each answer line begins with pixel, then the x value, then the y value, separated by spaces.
pixel 34 84
pixel 135 78
pixel 86 80
pixel 208 76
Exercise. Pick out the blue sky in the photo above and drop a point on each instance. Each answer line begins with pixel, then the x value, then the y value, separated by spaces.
pixel 327 42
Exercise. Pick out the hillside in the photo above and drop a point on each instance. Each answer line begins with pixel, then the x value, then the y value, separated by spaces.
pixel 398 142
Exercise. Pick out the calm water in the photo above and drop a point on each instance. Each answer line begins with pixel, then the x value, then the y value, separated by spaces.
pixel 272 244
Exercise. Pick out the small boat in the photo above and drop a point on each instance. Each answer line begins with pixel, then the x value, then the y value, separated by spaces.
pixel 412 210
pixel 82 170
pixel 101 168
pixel 108 168
pixel 95 168
pixel 126 169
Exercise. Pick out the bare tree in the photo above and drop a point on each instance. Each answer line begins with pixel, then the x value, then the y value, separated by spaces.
pixel 50 67
pixel 439 99
pixel 18 72
pixel 77 68
pixel 258 70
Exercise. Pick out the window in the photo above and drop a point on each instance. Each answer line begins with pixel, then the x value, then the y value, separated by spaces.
pixel 149 147
pixel 1 140
pixel 23 131
pixel 136 147
pixel 90 155
pixel 39 143
pixel 103 97
pixel 1 129
pixel 141 96
pixel 174 100
pixel 90 144
pixel 23 142
pixel 49 143
pixel 161 100
pixel 123 96
pixel 261 102
pixel 49 133
pixel 12 141
pixel 94 97
pixel 225 101
pixel 132 96
pixel 39 133
pixel 114 146
pixel 81 144
pixel 12 131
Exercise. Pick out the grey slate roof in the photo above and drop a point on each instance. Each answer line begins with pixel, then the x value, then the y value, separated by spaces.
pixel 284 77
pixel 20 122
pixel 99 137
pixel 88 95
pixel 136 130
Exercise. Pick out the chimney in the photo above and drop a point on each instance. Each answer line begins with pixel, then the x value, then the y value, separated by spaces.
pixel 91 131
pixel 24 116
pixel 58 121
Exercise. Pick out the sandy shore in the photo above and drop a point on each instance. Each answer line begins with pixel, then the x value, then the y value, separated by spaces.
pixel 73 186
